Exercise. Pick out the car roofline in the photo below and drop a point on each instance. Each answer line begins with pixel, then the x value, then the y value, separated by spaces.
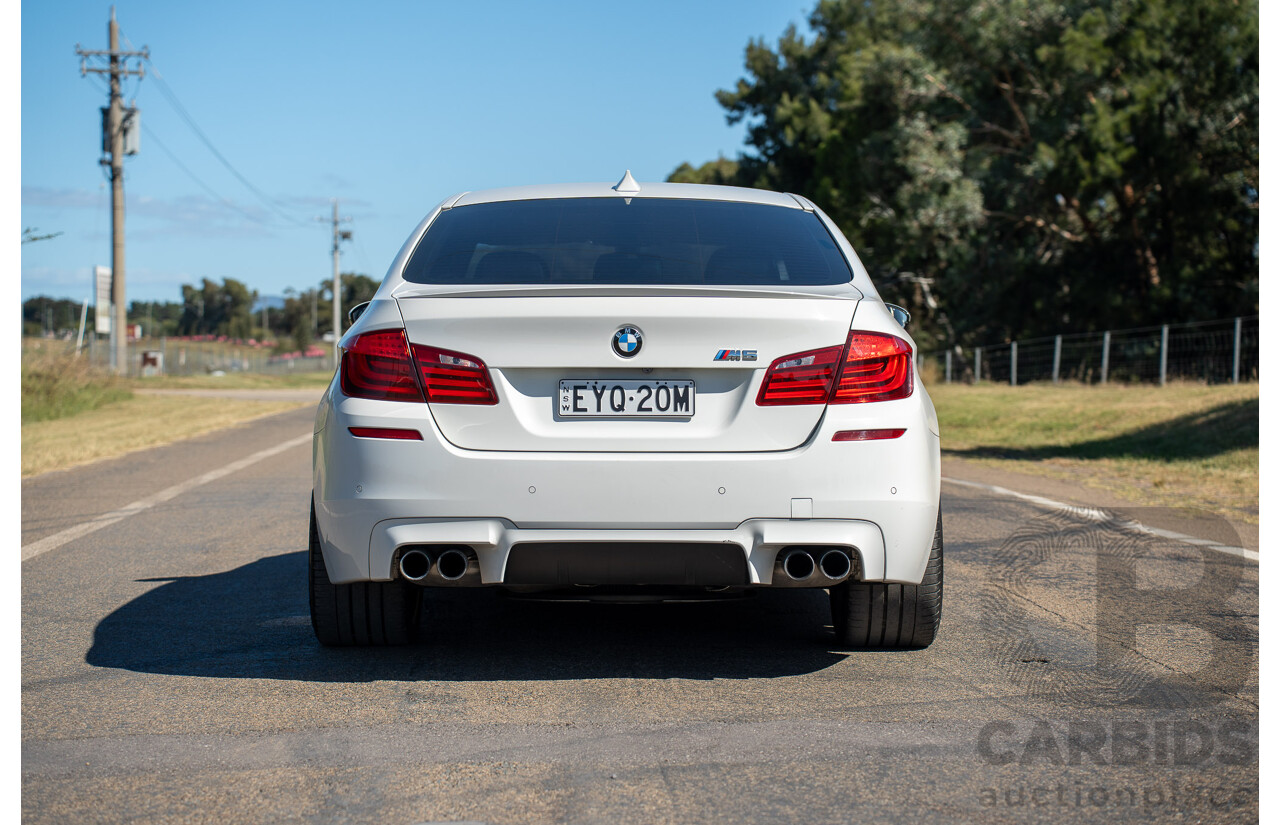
pixel 679 191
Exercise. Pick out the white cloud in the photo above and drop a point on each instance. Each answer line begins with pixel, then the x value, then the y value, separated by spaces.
pixel 181 215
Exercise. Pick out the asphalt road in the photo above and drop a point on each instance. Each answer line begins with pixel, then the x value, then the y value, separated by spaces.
pixel 1084 672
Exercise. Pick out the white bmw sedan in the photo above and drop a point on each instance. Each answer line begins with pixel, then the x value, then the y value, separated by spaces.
pixel 626 391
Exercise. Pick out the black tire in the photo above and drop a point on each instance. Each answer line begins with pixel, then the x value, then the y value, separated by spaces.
pixel 360 613
pixel 875 616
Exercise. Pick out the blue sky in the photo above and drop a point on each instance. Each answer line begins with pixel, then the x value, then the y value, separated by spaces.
pixel 389 107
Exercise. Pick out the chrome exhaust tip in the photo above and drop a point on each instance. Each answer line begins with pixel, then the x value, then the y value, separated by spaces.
pixel 415 565
pixel 452 565
pixel 798 565
pixel 835 565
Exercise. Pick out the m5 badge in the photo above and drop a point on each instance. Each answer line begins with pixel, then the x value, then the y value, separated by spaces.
pixel 735 355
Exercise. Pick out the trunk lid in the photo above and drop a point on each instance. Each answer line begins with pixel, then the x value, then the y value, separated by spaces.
pixel 532 341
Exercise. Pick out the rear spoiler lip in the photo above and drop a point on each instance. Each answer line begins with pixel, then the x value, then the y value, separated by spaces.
pixel 406 290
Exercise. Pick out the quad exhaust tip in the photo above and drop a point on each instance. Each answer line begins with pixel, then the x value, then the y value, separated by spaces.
pixel 415 565
pixel 798 565
pixel 452 565
pixel 835 564
pixel 816 566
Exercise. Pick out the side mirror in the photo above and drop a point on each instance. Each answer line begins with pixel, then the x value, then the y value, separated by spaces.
pixel 900 315
pixel 356 311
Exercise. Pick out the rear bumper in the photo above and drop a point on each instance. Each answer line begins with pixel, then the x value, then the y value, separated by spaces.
pixel 759 541
pixel 879 499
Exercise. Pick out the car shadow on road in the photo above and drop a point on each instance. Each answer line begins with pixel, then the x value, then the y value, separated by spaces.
pixel 252 622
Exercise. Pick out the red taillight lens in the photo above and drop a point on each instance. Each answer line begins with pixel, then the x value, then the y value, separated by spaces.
pixel 876 368
pixel 453 377
pixel 377 366
pixel 802 378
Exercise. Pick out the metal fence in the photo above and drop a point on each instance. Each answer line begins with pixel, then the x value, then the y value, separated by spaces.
pixel 1213 352
pixel 187 356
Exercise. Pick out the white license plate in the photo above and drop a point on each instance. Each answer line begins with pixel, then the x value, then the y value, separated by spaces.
pixel 626 399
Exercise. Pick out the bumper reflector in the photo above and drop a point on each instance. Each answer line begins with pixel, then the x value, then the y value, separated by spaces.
pixel 867 435
pixel 385 432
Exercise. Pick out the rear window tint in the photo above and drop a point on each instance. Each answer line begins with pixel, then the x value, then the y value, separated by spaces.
pixel 610 241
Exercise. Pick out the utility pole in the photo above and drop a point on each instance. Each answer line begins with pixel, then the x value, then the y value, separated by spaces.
pixel 339 235
pixel 114 144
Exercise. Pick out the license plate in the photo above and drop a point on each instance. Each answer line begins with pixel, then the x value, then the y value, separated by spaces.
pixel 626 399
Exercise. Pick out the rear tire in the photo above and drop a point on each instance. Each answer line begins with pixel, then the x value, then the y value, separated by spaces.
pixel 876 616
pixel 360 613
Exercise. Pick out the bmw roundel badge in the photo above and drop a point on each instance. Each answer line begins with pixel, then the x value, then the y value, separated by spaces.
pixel 627 342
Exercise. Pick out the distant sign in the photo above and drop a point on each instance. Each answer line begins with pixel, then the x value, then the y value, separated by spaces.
pixel 102 301
pixel 152 363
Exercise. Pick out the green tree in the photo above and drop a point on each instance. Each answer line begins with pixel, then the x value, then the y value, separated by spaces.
pixel 356 289
pixel 53 315
pixel 1022 167
pixel 156 317
pixel 218 309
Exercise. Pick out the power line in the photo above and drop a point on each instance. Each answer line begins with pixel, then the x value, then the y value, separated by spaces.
pixel 172 98
pixel 225 201
pixel 181 110
pixel 151 133
pixel 364 258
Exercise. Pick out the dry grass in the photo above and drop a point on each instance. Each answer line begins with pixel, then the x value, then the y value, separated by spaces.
pixel 57 385
pixel 121 427
pixel 1180 445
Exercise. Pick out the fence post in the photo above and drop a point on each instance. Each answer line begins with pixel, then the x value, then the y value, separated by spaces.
pixel 1057 356
pixel 1106 354
pixel 1013 364
pixel 1164 353
pixel 977 364
pixel 1235 357
pixel 948 354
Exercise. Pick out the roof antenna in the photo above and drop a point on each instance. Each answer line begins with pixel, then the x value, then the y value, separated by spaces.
pixel 627 186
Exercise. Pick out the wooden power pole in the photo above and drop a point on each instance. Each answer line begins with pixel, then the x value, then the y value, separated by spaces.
pixel 339 235
pixel 119 122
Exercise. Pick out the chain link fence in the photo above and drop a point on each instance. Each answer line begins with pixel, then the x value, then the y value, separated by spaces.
pixel 190 356
pixel 1212 352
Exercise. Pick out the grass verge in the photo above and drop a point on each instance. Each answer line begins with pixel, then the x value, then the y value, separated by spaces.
pixel 132 424
pixel 56 386
pixel 1184 445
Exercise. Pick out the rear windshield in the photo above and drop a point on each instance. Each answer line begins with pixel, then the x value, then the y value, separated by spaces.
pixel 611 241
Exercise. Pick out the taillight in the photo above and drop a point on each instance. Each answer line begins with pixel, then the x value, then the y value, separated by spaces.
pixel 869 367
pixel 802 378
pixel 377 366
pixel 876 368
pixel 453 377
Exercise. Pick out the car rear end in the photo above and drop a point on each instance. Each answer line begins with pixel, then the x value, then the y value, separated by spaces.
pixel 688 390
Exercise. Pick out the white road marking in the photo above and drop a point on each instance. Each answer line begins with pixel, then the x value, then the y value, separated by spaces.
pixel 1094 514
pixel 287 621
pixel 44 545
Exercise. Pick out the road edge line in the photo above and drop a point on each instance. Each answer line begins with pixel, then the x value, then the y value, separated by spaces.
pixel 1096 514
pixel 53 542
